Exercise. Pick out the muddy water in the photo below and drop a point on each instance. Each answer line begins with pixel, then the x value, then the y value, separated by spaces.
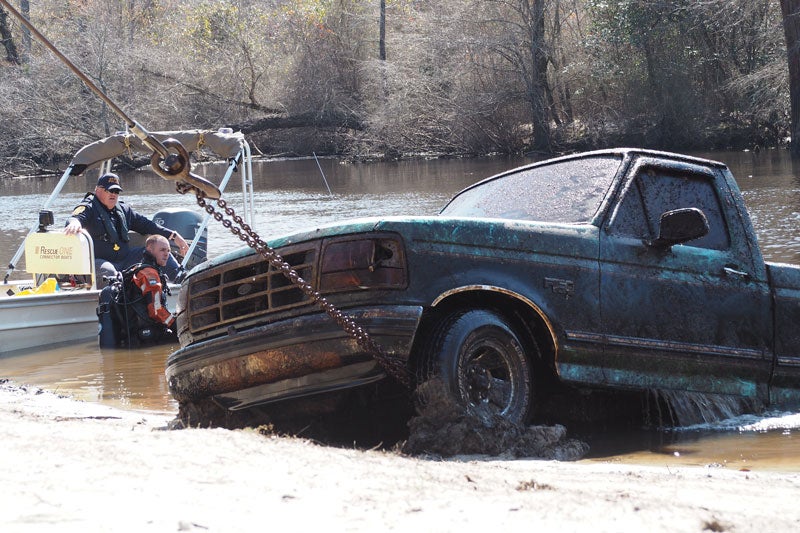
pixel 129 379
pixel 294 194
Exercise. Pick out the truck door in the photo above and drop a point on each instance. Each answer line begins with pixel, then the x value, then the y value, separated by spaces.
pixel 694 316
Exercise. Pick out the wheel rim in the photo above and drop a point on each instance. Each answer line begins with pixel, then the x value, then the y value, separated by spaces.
pixel 488 377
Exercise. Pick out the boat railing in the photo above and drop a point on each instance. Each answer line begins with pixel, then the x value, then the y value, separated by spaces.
pixel 242 163
pixel 223 144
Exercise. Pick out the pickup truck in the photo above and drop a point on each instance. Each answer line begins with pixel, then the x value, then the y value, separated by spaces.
pixel 617 269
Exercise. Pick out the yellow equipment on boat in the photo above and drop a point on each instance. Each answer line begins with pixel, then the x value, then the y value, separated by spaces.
pixel 49 286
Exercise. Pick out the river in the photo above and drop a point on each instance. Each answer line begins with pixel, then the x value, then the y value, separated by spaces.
pixel 291 194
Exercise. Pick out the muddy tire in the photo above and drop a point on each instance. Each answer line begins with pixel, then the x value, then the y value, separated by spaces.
pixel 481 362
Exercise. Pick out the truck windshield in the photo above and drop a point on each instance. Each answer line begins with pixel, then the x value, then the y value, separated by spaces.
pixel 564 192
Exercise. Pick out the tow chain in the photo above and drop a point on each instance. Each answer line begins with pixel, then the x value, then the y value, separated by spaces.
pixel 238 227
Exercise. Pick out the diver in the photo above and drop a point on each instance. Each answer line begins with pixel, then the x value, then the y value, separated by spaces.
pixel 133 309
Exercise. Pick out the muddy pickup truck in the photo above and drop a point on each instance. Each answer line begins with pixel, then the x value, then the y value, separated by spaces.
pixel 623 269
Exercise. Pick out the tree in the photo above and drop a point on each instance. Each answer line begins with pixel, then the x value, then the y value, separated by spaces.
pixel 685 75
pixel 25 8
pixel 790 9
pixel 8 41
pixel 463 76
pixel 382 32
pixel 514 32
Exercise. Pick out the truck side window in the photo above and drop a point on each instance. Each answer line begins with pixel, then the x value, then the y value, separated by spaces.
pixel 656 191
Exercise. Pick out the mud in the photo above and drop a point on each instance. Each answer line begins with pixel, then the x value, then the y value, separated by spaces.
pixel 362 418
pixel 431 423
pixel 438 427
pixel 444 428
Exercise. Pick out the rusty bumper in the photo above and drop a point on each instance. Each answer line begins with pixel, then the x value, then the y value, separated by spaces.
pixel 288 359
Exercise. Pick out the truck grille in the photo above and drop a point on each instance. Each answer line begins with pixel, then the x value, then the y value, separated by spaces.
pixel 247 288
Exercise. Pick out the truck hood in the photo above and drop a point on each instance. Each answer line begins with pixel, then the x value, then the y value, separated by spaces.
pixel 438 230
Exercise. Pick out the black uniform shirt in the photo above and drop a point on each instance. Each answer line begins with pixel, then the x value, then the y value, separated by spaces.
pixel 109 228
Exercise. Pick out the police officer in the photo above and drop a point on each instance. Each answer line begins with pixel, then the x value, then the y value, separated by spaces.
pixel 108 222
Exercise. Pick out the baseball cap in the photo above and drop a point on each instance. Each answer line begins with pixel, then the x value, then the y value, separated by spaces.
pixel 109 182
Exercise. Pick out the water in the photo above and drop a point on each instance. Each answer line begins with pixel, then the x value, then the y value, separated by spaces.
pixel 292 194
pixel 770 183
pixel 728 444
pixel 128 379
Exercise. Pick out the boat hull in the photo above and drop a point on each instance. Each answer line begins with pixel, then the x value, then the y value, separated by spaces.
pixel 45 319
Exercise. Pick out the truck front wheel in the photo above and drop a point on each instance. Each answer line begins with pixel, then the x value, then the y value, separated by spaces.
pixel 482 364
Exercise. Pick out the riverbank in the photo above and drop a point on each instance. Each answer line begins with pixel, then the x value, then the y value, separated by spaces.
pixel 717 139
pixel 68 465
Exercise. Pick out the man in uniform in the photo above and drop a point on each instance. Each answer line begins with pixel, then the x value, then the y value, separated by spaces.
pixel 108 222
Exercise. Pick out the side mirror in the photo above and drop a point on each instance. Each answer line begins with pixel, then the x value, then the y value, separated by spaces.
pixel 679 226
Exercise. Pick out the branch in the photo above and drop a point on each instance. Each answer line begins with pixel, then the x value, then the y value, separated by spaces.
pixel 327 119
pixel 205 91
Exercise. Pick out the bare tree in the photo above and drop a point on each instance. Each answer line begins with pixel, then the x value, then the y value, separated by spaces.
pixel 463 76
pixel 514 32
pixel 790 9
pixel 8 40
pixel 382 31
pixel 25 8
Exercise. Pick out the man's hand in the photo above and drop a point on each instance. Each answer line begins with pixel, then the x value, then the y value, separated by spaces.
pixel 183 246
pixel 74 227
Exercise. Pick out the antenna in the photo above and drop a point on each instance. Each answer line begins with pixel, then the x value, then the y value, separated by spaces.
pixel 321 172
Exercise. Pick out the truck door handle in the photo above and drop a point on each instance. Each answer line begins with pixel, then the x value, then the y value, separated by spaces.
pixel 732 272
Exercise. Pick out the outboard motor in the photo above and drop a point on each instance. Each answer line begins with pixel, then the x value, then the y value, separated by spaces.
pixel 187 224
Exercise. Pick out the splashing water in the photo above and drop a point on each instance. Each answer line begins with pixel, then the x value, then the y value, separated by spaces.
pixel 686 409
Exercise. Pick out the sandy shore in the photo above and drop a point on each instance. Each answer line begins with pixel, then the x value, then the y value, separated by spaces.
pixel 67 465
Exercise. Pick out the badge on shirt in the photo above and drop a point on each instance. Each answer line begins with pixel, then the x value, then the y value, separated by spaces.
pixel 78 210
pixel 116 247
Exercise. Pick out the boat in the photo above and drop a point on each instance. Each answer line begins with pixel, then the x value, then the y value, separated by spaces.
pixel 38 311
pixel 57 301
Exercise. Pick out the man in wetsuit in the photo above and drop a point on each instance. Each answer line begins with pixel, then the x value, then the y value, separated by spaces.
pixel 108 222
pixel 133 310
pixel 151 281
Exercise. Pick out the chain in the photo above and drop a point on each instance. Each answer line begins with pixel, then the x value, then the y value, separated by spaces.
pixel 238 227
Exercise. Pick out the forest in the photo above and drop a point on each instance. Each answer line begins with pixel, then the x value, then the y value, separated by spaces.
pixel 399 78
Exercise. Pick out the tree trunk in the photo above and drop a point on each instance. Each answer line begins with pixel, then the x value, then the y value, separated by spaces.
pixel 542 141
pixel 25 8
pixel 382 45
pixel 8 41
pixel 790 10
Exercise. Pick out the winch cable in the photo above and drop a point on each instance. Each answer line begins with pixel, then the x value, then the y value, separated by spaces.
pixel 170 160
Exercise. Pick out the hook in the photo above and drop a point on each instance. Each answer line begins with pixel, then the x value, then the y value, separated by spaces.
pixel 175 166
